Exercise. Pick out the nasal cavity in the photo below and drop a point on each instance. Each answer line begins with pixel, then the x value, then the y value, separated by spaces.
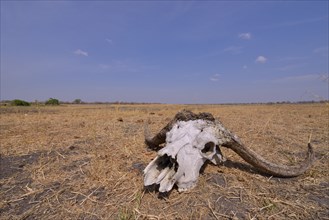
pixel 208 147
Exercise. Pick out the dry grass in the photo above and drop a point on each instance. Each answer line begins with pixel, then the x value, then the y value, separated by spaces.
pixel 85 162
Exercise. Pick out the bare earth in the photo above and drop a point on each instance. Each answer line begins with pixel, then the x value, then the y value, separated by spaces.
pixel 86 162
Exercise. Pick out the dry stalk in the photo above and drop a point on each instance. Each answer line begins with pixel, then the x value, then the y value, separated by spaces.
pixel 21 197
pixel 60 154
pixel 151 217
pixel 271 216
pixel 87 196
pixel 265 207
pixel 7 190
pixel 215 214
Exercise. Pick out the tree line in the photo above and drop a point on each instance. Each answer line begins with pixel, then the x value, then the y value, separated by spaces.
pixel 19 102
pixel 54 102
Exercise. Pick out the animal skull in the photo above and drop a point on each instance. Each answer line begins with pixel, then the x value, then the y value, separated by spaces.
pixel 189 145
pixel 193 139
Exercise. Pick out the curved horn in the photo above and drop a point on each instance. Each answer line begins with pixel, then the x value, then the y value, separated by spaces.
pixel 156 140
pixel 160 138
pixel 267 167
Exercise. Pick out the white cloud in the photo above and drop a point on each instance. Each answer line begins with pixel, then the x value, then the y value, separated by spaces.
pixel 290 67
pixel 321 50
pixel 299 22
pixel 261 59
pixel 298 78
pixel 324 77
pixel 215 77
pixel 104 66
pixel 108 40
pixel 286 59
pixel 126 66
pixel 81 52
pixel 245 36
pixel 233 50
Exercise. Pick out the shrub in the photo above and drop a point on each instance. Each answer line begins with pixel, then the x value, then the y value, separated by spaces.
pixel 77 101
pixel 18 102
pixel 52 101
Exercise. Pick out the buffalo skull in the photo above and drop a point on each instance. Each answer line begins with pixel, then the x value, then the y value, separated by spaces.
pixel 192 139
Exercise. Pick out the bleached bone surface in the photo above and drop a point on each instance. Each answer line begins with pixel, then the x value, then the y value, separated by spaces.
pixel 188 145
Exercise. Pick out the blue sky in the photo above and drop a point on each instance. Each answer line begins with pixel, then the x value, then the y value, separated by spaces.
pixel 165 51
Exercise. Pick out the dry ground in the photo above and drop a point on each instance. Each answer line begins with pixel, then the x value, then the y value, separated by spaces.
pixel 86 162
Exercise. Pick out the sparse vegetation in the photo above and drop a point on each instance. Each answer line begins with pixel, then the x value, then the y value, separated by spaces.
pixel 52 101
pixel 18 102
pixel 88 164
pixel 77 101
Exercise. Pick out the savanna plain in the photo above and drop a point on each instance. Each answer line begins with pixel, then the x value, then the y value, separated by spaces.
pixel 86 162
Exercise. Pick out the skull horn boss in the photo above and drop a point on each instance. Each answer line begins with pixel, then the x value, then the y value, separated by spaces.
pixel 192 139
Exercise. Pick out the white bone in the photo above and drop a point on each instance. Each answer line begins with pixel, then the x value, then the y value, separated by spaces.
pixel 179 162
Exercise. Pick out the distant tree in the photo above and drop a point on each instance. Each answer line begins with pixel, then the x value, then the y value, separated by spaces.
pixel 18 102
pixel 77 101
pixel 52 101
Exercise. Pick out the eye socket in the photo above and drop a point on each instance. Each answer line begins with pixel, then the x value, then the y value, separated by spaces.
pixel 208 147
